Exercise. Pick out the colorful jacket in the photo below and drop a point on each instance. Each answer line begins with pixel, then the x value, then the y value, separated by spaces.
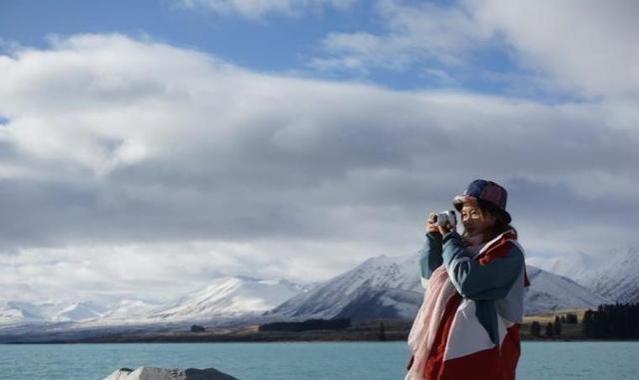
pixel 468 326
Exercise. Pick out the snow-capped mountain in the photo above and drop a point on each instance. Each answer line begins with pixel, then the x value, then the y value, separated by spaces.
pixel 10 313
pixel 129 309
pixel 378 303
pixel 549 291
pixel 390 287
pixel 614 275
pixel 13 312
pixel 619 279
pixel 227 297
pixel 79 311
pixel 577 266
pixel 364 285
pixel 380 287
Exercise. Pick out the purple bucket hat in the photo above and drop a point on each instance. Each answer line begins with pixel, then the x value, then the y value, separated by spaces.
pixel 487 191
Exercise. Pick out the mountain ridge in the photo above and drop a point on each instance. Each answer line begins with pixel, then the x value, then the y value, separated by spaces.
pixel 379 287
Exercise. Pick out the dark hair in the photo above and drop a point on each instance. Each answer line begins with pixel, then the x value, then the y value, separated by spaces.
pixel 501 225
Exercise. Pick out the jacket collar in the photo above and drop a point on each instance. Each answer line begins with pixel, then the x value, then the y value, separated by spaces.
pixel 508 235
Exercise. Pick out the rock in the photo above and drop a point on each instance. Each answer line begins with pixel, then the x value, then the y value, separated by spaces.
pixel 152 373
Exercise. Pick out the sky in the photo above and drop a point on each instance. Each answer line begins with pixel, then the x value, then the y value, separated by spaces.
pixel 149 147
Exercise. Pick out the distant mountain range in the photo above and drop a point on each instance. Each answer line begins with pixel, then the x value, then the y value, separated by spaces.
pixel 549 292
pixel 380 287
pixel 12 312
pixel 228 297
pixel 225 297
pixel 619 279
pixel 390 287
pixel 614 276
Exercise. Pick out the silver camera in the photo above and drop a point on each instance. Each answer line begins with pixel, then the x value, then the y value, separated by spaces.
pixel 446 219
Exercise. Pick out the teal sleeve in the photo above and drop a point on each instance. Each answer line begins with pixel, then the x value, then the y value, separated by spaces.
pixel 430 256
pixel 480 282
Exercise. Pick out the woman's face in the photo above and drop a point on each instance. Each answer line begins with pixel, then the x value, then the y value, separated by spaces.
pixel 475 220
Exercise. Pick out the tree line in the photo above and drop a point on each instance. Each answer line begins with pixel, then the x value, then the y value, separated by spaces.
pixel 309 324
pixel 618 321
pixel 552 328
pixel 614 321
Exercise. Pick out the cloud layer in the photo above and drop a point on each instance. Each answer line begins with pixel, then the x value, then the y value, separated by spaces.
pixel 584 49
pixel 141 164
pixel 256 9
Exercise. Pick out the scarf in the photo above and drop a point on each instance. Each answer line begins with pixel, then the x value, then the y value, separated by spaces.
pixel 422 334
pixel 439 290
pixel 474 244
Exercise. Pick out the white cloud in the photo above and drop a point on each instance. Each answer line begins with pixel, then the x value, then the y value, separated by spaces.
pixel 134 161
pixel 255 9
pixel 414 34
pixel 583 48
pixel 586 46
pixel 155 272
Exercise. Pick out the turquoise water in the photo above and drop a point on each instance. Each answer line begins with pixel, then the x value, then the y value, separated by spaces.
pixel 300 361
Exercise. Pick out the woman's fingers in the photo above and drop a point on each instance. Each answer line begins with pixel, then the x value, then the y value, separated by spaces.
pixel 431 226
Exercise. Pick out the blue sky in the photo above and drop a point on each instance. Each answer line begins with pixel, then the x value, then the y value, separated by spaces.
pixel 183 140
pixel 275 42
pixel 278 43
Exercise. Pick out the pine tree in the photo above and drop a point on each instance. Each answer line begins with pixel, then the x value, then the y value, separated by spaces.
pixel 571 318
pixel 557 326
pixel 587 324
pixel 382 331
pixel 550 330
pixel 535 329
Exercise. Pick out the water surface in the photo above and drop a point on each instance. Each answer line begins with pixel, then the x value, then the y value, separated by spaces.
pixel 302 360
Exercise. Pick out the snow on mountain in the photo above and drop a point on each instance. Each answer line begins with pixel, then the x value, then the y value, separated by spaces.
pixel 577 266
pixel 79 311
pixel 389 287
pixel 225 297
pixel 380 287
pixel 549 291
pixel 14 312
pixel 614 275
pixel 382 303
pixel 129 309
pixel 229 296
pixel 361 286
pixel 619 279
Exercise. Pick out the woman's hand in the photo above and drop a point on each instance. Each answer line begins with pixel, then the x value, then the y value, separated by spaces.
pixel 431 226
pixel 444 230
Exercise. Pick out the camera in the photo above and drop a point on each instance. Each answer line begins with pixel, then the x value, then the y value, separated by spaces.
pixel 446 219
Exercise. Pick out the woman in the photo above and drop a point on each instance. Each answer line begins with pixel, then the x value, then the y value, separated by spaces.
pixel 468 324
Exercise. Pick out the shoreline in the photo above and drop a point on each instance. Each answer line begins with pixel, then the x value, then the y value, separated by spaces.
pixel 316 336
pixel 393 330
pixel 287 341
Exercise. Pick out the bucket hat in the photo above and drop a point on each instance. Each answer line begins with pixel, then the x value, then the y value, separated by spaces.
pixel 487 191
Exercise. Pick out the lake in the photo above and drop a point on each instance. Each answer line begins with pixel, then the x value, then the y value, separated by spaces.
pixel 304 360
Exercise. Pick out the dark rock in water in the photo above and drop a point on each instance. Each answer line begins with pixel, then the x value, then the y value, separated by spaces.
pixel 151 373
